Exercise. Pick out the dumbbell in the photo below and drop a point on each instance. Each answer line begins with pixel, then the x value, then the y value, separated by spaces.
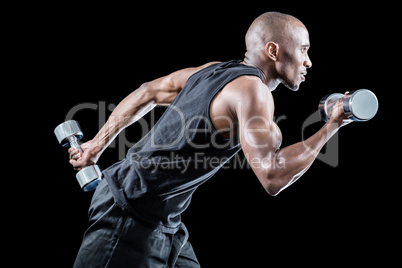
pixel 359 105
pixel 68 134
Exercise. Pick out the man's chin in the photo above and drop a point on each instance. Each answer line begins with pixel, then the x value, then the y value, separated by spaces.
pixel 293 87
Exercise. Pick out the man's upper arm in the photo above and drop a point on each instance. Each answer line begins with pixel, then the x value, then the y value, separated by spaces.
pixel 165 89
pixel 260 137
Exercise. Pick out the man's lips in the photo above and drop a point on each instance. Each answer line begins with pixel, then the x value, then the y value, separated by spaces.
pixel 302 76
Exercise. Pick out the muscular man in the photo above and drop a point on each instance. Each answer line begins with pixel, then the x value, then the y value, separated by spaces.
pixel 214 111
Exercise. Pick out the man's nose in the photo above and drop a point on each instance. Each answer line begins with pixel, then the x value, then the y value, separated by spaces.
pixel 308 63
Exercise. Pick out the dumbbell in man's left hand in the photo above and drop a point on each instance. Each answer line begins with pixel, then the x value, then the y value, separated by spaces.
pixel 91 154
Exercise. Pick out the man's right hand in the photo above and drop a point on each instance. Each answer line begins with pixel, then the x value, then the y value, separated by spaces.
pixel 337 115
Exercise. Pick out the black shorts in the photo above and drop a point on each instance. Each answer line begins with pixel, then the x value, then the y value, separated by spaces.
pixel 115 239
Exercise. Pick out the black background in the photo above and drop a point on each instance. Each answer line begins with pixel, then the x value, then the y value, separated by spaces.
pixel 98 54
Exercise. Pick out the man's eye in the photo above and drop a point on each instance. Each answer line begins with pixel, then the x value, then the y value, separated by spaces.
pixel 304 49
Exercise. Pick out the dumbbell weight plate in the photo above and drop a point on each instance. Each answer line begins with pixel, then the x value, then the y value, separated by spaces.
pixel 360 105
pixel 67 129
pixel 89 177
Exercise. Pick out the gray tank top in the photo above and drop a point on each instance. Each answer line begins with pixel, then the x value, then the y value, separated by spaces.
pixel 156 180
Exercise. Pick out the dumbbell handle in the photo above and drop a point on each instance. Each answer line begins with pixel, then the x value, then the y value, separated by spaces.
pixel 74 143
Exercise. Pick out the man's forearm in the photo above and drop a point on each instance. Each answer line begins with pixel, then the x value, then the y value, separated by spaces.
pixel 293 161
pixel 128 111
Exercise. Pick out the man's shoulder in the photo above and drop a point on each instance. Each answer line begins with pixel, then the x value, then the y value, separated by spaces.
pixel 248 86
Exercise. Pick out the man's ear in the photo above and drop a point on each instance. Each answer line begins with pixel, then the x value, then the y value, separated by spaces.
pixel 271 50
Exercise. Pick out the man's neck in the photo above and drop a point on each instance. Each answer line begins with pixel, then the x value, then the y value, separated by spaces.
pixel 266 69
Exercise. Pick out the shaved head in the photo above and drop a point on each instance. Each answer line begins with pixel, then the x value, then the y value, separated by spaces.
pixel 277 45
pixel 270 26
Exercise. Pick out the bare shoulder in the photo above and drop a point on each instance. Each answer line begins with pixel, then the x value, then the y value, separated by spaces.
pixel 249 93
pixel 248 86
pixel 243 98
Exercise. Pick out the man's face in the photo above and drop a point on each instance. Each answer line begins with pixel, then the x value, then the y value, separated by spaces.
pixel 293 61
